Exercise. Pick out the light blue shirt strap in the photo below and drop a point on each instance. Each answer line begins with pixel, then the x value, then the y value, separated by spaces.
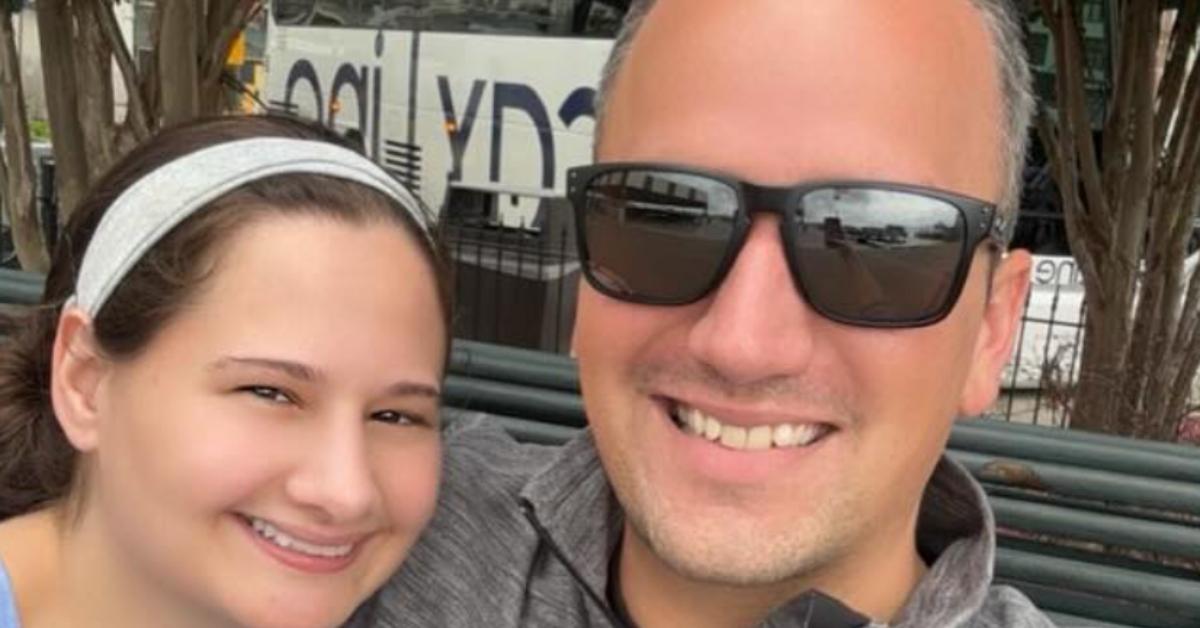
pixel 8 602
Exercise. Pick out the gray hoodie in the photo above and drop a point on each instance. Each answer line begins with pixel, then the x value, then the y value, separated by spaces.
pixel 524 536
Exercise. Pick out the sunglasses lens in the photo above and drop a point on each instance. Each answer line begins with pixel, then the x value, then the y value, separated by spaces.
pixel 878 257
pixel 655 236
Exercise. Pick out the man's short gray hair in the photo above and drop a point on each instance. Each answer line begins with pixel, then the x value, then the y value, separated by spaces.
pixel 1003 21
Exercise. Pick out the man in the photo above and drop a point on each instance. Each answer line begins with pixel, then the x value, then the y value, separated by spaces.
pixel 792 293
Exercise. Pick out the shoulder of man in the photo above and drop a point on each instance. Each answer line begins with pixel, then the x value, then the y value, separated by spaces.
pixel 473 559
pixel 477 447
pixel 1006 607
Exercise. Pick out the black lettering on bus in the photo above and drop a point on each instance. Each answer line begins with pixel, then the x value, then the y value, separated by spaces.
pixel 348 76
pixel 1048 272
pixel 303 70
pixel 1043 272
pixel 579 103
pixel 459 129
pixel 376 109
pixel 522 97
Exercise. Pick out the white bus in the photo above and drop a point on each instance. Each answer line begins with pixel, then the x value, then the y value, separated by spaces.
pixel 478 105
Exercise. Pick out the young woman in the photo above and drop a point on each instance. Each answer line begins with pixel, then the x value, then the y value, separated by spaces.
pixel 226 410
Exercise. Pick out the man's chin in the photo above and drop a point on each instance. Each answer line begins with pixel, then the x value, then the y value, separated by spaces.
pixel 732 551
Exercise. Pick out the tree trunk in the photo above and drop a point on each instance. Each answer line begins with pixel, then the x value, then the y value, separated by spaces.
pixel 93 65
pixel 1098 404
pixel 18 171
pixel 178 59
pixel 57 32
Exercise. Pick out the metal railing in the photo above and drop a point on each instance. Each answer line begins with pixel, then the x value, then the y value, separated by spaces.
pixel 1037 381
pixel 513 285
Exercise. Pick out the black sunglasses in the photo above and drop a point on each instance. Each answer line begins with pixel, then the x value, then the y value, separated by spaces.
pixel 862 253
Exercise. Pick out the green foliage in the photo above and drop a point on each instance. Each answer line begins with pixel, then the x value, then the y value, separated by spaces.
pixel 39 130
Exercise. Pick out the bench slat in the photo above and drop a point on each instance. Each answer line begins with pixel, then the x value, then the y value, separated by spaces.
pixel 1182 465
pixel 1165 538
pixel 1152 590
pixel 1071 609
pixel 1086 483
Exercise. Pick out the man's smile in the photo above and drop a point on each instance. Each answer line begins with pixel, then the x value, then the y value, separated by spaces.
pixel 698 423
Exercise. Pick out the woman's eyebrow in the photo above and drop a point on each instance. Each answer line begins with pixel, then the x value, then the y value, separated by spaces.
pixel 296 370
pixel 413 389
pixel 304 372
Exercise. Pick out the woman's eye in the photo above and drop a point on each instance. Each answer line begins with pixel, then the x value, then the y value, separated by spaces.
pixel 268 393
pixel 396 418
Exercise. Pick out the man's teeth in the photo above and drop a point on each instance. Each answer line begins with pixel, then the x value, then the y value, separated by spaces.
pixel 697 423
pixel 282 539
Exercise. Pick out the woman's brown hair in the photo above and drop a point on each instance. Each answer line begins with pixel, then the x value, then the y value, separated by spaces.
pixel 37 463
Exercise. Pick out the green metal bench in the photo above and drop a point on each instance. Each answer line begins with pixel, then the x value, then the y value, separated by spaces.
pixel 19 287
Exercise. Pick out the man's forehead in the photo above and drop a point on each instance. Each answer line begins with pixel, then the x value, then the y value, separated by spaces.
pixel 789 26
pixel 820 88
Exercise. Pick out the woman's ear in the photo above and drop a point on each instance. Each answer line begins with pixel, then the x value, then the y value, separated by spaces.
pixel 77 374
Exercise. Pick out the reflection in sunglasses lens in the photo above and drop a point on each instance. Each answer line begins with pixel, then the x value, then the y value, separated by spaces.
pixel 657 235
pixel 877 255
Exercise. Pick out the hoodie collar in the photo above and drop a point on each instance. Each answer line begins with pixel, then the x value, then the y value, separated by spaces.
pixel 574 505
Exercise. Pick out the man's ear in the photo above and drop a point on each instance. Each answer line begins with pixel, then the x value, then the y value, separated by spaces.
pixel 998 330
pixel 77 373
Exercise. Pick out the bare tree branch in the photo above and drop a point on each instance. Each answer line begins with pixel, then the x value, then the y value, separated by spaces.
pixel 1190 314
pixel 177 56
pixel 1080 231
pixel 229 19
pixel 93 77
pixel 1172 252
pixel 138 117
pixel 1136 138
pixel 1188 339
pixel 1181 190
pixel 1182 389
pixel 1116 137
pixel 1077 166
pixel 220 13
pixel 1183 38
pixel 57 36
pixel 1074 114
pixel 1186 129
pixel 1130 175
pixel 17 165
pixel 150 79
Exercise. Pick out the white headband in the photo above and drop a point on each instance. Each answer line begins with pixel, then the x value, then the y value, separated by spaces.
pixel 159 201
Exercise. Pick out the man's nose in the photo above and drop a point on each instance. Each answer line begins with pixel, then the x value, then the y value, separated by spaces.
pixel 333 478
pixel 755 325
